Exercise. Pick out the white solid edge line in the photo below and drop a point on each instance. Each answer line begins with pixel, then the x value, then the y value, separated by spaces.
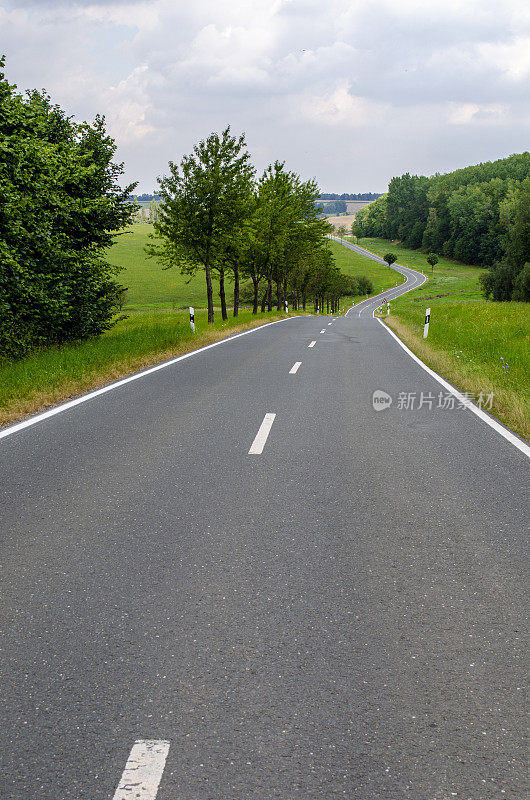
pixel 508 435
pixel 261 437
pixel 294 368
pixel 143 771
pixel 312 344
pixel 83 398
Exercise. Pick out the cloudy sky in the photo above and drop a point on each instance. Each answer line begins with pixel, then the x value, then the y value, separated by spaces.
pixel 350 92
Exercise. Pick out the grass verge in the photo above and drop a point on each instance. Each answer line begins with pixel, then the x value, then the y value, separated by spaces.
pixel 478 345
pixel 146 338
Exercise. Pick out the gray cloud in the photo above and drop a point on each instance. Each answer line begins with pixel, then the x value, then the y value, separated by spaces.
pixel 351 93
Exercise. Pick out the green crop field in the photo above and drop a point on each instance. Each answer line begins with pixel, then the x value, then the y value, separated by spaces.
pixel 477 344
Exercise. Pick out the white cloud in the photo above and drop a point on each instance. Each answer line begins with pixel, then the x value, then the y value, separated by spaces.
pixel 467 113
pixel 346 91
pixel 341 108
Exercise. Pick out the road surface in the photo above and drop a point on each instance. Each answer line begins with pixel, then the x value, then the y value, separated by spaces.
pixel 336 614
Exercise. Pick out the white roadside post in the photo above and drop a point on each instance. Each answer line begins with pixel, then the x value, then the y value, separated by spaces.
pixel 286 306
pixel 192 318
pixel 426 326
pixel 388 307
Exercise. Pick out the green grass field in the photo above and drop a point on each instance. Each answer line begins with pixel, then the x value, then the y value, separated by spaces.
pixel 150 286
pixel 477 344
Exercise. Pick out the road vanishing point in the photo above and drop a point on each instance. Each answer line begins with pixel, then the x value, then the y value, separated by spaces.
pixel 237 577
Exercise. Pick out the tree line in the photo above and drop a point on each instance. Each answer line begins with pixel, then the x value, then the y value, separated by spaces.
pixel 362 196
pixel 60 204
pixel 216 215
pixel 478 215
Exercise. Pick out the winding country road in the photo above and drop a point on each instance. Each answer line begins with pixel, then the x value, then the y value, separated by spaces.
pixel 336 614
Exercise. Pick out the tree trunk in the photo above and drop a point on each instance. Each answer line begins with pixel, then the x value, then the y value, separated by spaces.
pixel 303 300
pixel 236 289
pixel 279 294
pixel 264 300
pixel 222 293
pixel 209 292
pixel 269 295
pixel 255 283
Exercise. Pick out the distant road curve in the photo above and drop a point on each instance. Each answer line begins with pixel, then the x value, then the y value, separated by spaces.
pixel 414 279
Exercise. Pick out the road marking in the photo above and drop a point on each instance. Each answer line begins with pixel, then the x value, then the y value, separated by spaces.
pixel 261 437
pixel 323 330
pixel 294 368
pixel 312 344
pixel 508 435
pixel 143 770
pixel 329 323
pixel 19 426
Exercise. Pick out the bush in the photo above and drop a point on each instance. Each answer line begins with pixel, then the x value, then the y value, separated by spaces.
pixel 521 285
pixel 60 206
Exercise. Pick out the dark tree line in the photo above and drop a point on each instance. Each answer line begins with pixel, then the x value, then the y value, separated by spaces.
pixel 216 215
pixel 477 215
pixel 362 196
pixel 60 203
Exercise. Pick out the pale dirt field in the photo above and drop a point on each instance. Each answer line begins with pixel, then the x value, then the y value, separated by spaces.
pixel 346 220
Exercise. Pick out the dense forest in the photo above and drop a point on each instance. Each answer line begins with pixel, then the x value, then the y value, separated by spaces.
pixel 478 215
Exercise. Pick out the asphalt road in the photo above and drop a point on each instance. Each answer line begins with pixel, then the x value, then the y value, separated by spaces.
pixel 336 616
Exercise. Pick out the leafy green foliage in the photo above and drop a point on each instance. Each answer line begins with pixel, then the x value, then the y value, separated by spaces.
pixel 203 201
pixel 60 204
pixel 477 215
pixel 432 259
pixel 390 258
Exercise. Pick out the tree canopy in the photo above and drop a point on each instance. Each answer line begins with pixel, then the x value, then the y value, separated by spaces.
pixel 60 208
pixel 478 215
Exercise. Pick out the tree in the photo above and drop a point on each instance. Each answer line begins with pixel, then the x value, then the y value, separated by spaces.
pixel 521 285
pixel 203 199
pixel 341 232
pixel 390 258
pixel 432 259
pixel 60 209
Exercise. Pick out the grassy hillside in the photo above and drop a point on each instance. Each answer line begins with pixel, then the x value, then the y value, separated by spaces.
pixel 150 286
pixel 478 345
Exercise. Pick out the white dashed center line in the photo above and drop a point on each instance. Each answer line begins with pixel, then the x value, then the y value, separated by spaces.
pixel 312 344
pixel 294 368
pixel 143 770
pixel 329 323
pixel 261 437
pixel 323 330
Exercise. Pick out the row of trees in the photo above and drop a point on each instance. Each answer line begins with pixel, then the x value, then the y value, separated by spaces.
pixel 478 215
pixel 59 206
pixel 216 216
pixel 362 196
